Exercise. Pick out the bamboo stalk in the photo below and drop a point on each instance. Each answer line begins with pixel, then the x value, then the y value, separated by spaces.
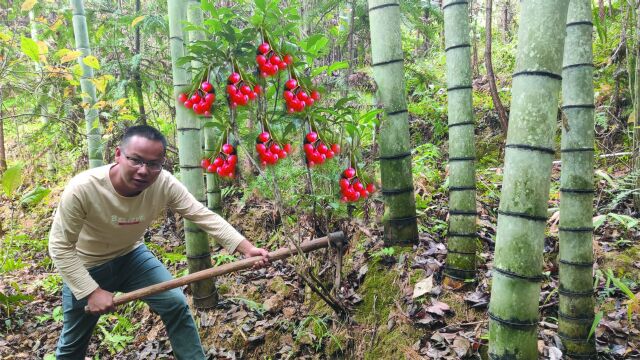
pixel 283 253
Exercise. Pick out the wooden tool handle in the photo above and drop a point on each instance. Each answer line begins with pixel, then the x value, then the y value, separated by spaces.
pixel 336 238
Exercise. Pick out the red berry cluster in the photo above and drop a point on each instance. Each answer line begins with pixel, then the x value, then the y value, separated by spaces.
pixel 269 63
pixel 297 98
pixel 316 150
pixel 270 151
pixel 224 164
pixel 240 92
pixel 352 189
pixel 201 100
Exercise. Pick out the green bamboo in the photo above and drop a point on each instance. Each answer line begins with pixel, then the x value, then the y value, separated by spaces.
pixel 189 154
pixel 461 245
pixel 517 268
pixel 576 312
pixel 42 99
pixel 94 136
pixel 400 225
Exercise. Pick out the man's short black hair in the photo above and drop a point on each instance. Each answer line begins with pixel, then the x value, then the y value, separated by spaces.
pixel 145 131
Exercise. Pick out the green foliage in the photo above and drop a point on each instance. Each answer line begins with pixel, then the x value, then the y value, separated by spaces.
pixel 9 301
pixel 316 329
pixel 34 196
pixel 57 315
pixel 12 180
pixel 634 302
pixel 250 304
pixel 52 284
pixel 384 252
pixel 220 259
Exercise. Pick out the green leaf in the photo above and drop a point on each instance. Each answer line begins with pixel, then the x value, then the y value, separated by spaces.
pixel 319 70
pixel 338 65
pixel 598 221
pixel 30 48
pixel 594 326
pixel 92 62
pixel 11 180
pixel 34 196
pixel 261 5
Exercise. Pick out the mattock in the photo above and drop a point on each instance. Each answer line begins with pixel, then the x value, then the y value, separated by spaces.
pixel 333 239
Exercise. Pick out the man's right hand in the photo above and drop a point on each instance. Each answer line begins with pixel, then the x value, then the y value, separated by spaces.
pixel 99 302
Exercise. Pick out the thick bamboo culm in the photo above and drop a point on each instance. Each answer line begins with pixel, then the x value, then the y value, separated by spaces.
pixel 335 239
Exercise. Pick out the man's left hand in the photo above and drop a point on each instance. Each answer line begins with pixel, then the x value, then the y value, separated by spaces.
pixel 249 250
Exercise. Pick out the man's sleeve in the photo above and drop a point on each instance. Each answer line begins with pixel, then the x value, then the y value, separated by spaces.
pixel 63 237
pixel 185 204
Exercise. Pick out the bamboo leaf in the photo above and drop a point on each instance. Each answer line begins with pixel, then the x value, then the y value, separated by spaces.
pixel 11 180
pixel 34 196
pixel 30 48
pixel 137 20
pixel 596 321
pixel 338 65
pixel 598 221
pixel 92 62
pixel 28 5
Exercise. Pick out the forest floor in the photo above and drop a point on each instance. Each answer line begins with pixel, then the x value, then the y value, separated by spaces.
pixel 272 313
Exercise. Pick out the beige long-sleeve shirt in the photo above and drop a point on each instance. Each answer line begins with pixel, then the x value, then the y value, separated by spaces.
pixel 94 224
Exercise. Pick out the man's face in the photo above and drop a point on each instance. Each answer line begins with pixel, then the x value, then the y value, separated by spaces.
pixel 139 164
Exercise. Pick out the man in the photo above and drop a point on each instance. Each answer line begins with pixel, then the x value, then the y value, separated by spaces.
pixel 96 242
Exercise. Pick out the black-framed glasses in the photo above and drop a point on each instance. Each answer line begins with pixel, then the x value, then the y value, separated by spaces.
pixel 154 166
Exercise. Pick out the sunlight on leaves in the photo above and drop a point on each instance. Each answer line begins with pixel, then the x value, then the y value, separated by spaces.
pixel 92 62
pixel 29 48
pixel 28 5
pixel 137 20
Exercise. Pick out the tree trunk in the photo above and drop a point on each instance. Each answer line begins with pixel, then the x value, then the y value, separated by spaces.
pixel 601 10
pixel 506 21
pixel 42 104
pixel 497 103
pixel 137 77
pixel 517 268
pixel 474 62
pixel 94 136
pixel 400 225
pixel 3 156
pixel 576 312
pixel 189 153
pixel 636 123
pixel 461 247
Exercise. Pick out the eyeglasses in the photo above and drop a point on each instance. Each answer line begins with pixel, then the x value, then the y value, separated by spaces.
pixel 154 166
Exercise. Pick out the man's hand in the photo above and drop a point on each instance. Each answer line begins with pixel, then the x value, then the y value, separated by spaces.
pixel 99 302
pixel 248 250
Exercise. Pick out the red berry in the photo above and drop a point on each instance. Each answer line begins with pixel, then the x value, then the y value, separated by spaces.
pixel 261 148
pixel 302 96
pixel 205 163
pixel 261 59
pixel 291 84
pixel 195 98
pixel 344 184
pixel 183 97
pixel 274 60
pixel 232 89
pixel 349 173
pixel 218 161
pixel 287 148
pixel 308 149
pixel 227 149
pixel 282 65
pixel 275 148
pixel 322 149
pixel 288 59
pixel 234 78
pixel 207 113
pixel 309 101
pixel 330 154
pixel 312 137
pixel 232 159
pixel 246 89
pixel 357 186
pixel 206 86
pixel 288 95
pixel 188 104
pixel 335 148
pixel 371 188
pixel 210 98
pixel 257 89
pixel 264 137
pixel 315 95
pixel 212 168
pixel 264 48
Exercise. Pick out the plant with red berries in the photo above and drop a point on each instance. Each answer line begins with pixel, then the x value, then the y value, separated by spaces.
pixel 297 98
pixel 201 100
pixel 224 163
pixel 352 188
pixel 316 151
pixel 241 91
pixel 269 62
pixel 270 151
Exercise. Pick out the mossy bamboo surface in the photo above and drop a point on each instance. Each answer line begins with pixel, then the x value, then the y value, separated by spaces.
pixel 400 225
pixel 81 34
pixel 461 244
pixel 522 215
pixel 189 154
pixel 576 312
